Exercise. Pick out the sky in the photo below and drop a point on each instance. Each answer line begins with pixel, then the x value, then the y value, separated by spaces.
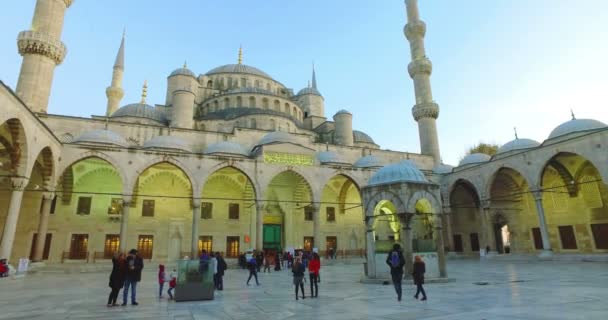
pixel 496 64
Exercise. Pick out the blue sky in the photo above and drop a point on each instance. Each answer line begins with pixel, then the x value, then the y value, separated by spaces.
pixel 497 64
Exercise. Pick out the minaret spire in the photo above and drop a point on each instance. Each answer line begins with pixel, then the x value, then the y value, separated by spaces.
pixel 314 77
pixel 240 61
pixel 144 92
pixel 572 113
pixel 114 92
pixel 425 111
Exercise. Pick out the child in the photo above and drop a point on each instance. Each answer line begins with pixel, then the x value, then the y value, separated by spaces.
pixel 172 283
pixel 161 280
pixel 3 268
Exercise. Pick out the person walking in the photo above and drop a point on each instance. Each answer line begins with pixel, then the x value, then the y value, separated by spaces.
pixel 277 262
pixel 117 277
pixel 134 266
pixel 418 275
pixel 313 272
pixel 161 280
pixel 221 267
pixel 396 261
pixel 268 260
pixel 298 276
pixel 253 270
pixel 259 258
pixel 213 266
pixel 172 284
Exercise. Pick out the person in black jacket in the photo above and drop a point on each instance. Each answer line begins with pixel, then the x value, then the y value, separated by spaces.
pixel 221 267
pixel 134 264
pixel 396 261
pixel 117 277
pixel 253 270
pixel 418 276
pixel 298 276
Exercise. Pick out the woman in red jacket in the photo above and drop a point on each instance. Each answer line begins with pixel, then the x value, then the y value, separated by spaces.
pixel 313 268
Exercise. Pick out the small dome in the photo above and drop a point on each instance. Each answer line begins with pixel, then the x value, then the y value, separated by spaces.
pixel 369 161
pixel 309 90
pixel 277 137
pixel 167 143
pixel 474 158
pixel 104 137
pixel 227 147
pixel 140 110
pixel 443 169
pixel 403 171
pixel 518 144
pixel 238 68
pixel 183 72
pixel 576 125
pixel 330 157
pixel 360 136
pixel 342 111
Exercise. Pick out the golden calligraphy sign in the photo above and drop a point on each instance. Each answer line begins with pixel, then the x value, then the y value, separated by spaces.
pixel 288 158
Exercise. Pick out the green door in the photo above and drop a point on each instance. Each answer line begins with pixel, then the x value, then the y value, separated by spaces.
pixel 272 236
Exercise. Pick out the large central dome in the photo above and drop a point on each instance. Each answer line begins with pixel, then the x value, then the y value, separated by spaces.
pixel 239 68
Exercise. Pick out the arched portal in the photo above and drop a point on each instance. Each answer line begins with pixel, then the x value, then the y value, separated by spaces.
pixel 386 226
pixel 161 212
pixel 341 213
pixel 513 213
pixel 574 199
pixel 227 212
pixel 288 211
pixel 423 228
pixel 89 191
pixel 466 219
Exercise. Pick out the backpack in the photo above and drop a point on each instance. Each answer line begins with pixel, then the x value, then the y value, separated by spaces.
pixel 395 260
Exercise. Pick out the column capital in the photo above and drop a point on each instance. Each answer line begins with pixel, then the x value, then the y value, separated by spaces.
pixel 538 195
pixel 485 204
pixel 48 195
pixel 447 210
pixel 19 183
pixel 126 200
pixel 196 202
pixel 259 205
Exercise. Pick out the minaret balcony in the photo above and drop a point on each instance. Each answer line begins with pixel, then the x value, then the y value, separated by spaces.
pixel 425 110
pixel 34 42
pixel 414 29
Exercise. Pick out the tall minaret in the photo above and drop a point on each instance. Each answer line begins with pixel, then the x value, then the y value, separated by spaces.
pixel 115 92
pixel 426 111
pixel 42 50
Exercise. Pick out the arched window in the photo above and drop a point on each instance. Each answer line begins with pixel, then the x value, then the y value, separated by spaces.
pixel 287 109
pixel 265 103
pixel 295 113
pixel 252 102
pixel 216 105
pixel 287 127
pixel 277 105
pixel 230 84
pixel 273 124
pixel 209 84
pixel 268 86
pixel 253 124
pixel 257 83
pixel 239 102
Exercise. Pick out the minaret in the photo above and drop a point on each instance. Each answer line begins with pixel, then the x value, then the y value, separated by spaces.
pixel 42 50
pixel 314 77
pixel 115 92
pixel 426 111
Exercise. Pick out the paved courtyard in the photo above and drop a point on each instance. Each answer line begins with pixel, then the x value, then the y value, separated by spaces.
pixel 514 290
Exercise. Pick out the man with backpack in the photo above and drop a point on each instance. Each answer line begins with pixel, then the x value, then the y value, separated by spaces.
pixel 396 261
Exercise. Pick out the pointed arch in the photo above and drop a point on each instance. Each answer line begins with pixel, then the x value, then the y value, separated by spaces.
pixel 13 138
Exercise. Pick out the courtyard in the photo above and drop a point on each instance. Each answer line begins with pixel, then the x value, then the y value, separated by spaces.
pixel 477 290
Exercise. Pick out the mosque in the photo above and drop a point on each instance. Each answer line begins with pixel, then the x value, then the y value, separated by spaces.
pixel 234 159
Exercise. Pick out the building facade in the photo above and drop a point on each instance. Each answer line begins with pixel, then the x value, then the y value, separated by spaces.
pixel 233 159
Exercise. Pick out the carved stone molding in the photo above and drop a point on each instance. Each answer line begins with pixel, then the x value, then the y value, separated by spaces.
pixel 414 29
pixel 34 42
pixel 420 66
pixel 18 184
pixel 425 110
pixel 115 92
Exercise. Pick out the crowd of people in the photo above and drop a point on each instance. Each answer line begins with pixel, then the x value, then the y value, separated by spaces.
pixel 127 270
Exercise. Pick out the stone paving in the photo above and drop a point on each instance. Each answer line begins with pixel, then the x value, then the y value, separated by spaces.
pixel 477 290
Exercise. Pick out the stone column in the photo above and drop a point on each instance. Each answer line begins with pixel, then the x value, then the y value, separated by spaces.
pixel 447 213
pixel 406 243
pixel 370 248
pixel 259 225
pixel 487 228
pixel 47 201
pixel 316 226
pixel 289 241
pixel 440 251
pixel 544 231
pixel 14 207
pixel 124 222
pixel 196 217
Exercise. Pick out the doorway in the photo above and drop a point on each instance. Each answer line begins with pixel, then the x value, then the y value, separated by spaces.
pixel 272 237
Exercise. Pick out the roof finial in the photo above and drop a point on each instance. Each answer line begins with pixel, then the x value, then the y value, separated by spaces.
pixel 144 92
pixel 515 130
pixel 120 56
pixel 185 64
pixel 314 76
pixel 308 83
pixel 240 55
pixel 572 113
